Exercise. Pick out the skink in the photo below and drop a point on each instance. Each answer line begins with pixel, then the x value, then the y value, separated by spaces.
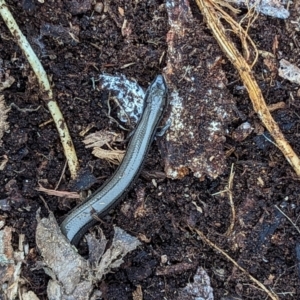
pixel 111 192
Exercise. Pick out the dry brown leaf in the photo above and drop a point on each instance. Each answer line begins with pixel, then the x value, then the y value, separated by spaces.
pixel 138 293
pixel 101 138
pixel 122 244
pixel 114 156
pixel 72 276
pixel 70 273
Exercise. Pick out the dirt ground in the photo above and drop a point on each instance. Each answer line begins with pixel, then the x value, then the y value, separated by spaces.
pixel 76 43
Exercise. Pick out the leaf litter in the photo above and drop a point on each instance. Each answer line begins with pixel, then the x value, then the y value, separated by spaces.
pixel 225 132
pixel 71 274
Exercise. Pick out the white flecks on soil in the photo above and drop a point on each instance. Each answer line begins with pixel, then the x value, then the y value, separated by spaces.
pixel 272 8
pixel 128 94
pixel 289 71
pixel 200 104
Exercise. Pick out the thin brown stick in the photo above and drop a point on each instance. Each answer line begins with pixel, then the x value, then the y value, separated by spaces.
pixel 215 247
pixel 297 228
pixel 61 176
pixel 228 190
pixel 249 81
pixel 275 106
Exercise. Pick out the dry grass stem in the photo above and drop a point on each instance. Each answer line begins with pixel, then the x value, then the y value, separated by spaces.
pixel 275 106
pixel 289 219
pixel 237 28
pixel 113 156
pixel 45 88
pixel 272 295
pixel 208 9
pixel 62 194
pixel 61 176
pixel 228 190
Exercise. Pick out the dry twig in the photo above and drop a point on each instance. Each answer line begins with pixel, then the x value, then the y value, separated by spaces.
pixel 63 194
pixel 228 190
pixel 215 247
pixel 208 9
pixel 46 91
pixel 289 219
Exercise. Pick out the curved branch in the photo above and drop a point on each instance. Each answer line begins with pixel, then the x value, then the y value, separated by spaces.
pixel 46 91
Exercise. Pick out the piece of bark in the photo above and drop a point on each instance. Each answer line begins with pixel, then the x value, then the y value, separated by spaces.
pixel 200 104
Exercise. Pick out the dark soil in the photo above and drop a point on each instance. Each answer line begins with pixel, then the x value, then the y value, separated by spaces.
pixel 76 44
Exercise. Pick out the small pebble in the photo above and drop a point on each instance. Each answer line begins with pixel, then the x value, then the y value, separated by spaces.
pixel 98 7
pixel 242 132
